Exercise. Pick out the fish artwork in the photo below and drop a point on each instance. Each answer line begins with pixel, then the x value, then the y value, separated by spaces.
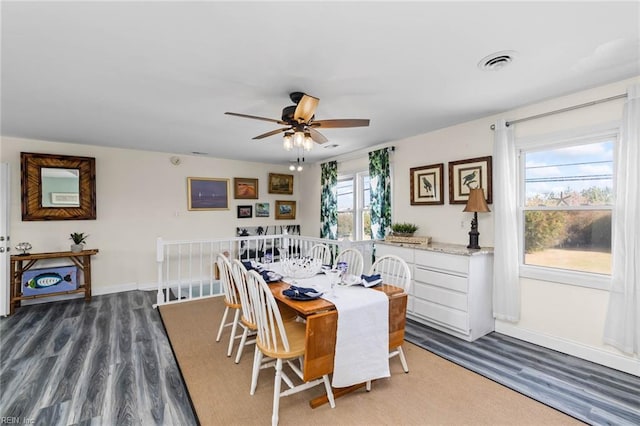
pixel 47 279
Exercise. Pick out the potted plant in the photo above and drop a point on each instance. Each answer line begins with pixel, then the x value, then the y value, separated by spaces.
pixel 403 229
pixel 78 239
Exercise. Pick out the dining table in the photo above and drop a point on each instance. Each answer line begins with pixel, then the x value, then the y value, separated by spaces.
pixel 321 317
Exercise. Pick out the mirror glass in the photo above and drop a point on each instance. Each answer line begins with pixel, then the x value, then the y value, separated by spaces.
pixel 60 187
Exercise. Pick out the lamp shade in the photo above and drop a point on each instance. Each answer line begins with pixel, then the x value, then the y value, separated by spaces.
pixel 476 201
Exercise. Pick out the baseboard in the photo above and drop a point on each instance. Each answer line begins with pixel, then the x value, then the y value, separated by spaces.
pixel 110 289
pixel 579 350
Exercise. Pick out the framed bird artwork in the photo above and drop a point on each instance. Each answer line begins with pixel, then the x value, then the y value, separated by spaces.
pixel 427 185
pixel 465 175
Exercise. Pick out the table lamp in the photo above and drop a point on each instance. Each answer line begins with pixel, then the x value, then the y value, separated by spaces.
pixel 476 203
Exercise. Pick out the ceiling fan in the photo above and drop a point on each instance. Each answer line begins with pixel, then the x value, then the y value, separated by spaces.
pixel 300 125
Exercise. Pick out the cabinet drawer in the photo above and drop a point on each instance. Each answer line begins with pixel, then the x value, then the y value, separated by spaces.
pixel 442 315
pixel 440 279
pixel 441 296
pixel 448 262
pixel 403 252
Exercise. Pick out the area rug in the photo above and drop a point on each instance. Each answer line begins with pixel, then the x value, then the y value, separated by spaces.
pixel 434 392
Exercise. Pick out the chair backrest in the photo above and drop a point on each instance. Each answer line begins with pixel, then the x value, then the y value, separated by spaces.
pixel 320 251
pixel 354 260
pixel 240 276
pixel 270 327
pixel 227 281
pixel 393 270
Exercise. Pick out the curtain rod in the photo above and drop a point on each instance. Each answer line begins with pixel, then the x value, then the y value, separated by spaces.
pixel 544 114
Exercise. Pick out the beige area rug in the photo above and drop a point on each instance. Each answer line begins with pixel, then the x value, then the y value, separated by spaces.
pixel 434 392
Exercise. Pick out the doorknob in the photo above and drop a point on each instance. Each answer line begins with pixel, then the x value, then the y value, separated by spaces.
pixel 2 250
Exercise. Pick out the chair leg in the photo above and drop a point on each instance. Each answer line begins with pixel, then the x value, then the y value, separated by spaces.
pixel 234 327
pixel 224 319
pixel 243 341
pixel 257 360
pixel 327 386
pixel 368 386
pixel 276 392
pixel 403 360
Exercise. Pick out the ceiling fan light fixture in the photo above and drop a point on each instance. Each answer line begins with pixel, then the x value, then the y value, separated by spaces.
pixel 287 142
pixel 299 168
pixel 308 142
pixel 298 139
pixel 292 167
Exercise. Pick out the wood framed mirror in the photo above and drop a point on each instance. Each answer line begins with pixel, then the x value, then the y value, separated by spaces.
pixel 58 187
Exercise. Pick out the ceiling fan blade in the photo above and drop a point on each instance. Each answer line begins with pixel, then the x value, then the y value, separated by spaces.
pixel 306 108
pixel 255 117
pixel 317 136
pixel 271 133
pixel 327 124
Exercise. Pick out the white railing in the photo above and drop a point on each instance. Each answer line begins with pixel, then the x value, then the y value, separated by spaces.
pixel 187 268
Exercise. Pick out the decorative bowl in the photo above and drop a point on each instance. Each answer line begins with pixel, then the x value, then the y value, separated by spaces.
pixel 302 267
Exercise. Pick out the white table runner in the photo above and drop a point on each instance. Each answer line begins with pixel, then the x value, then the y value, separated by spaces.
pixel 362 341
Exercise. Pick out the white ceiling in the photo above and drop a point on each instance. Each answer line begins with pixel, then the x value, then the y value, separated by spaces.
pixel 160 75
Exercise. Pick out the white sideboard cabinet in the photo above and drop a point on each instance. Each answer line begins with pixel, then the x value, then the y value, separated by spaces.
pixel 451 287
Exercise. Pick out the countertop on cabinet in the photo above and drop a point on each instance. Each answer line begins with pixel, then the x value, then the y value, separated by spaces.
pixel 448 248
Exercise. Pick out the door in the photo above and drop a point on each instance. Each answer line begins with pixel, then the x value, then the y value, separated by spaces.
pixel 5 244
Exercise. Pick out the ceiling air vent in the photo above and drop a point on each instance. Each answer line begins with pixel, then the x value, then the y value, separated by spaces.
pixel 497 60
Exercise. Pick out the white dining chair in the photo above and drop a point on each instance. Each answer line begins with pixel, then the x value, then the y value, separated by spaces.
pixel 353 259
pixel 247 320
pixel 282 340
pixel 394 271
pixel 231 301
pixel 320 251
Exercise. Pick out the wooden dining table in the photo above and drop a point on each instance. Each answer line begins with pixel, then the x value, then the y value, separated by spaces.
pixel 321 328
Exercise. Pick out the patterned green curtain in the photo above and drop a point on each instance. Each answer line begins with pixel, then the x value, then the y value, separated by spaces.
pixel 329 200
pixel 380 179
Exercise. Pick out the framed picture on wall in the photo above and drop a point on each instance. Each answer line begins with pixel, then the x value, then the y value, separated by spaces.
pixel 245 212
pixel 427 185
pixel 285 209
pixel 245 188
pixel 262 209
pixel 207 193
pixel 465 175
pixel 280 184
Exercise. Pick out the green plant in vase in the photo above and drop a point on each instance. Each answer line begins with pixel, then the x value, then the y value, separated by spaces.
pixel 404 229
pixel 78 238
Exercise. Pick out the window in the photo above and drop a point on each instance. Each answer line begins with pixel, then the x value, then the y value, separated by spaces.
pixel 566 203
pixel 354 200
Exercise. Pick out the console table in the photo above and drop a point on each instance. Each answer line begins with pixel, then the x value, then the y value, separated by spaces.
pixel 23 262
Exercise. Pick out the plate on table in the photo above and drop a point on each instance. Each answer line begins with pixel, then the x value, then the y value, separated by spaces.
pixel 350 279
pixel 295 293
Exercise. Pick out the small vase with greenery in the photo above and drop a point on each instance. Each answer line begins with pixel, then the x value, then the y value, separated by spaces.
pixel 404 229
pixel 78 238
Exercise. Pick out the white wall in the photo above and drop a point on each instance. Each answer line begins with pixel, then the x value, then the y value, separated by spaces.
pixel 563 317
pixel 140 196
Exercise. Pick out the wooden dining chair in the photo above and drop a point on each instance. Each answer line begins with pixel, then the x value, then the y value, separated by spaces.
pixel 282 340
pixel 354 260
pixel 394 271
pixel 320 251
pixel 231 301
pixel 247 318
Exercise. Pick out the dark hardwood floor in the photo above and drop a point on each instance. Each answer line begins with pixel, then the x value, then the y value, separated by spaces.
pixel 587 391
pixel 109 362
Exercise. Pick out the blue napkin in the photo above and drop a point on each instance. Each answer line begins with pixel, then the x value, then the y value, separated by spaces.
pixel 248 265
pixel 371 280
pixel 301 293
pixel 270 276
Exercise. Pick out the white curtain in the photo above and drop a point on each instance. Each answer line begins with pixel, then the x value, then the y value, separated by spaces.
pixel 622 328
pixel 506 280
